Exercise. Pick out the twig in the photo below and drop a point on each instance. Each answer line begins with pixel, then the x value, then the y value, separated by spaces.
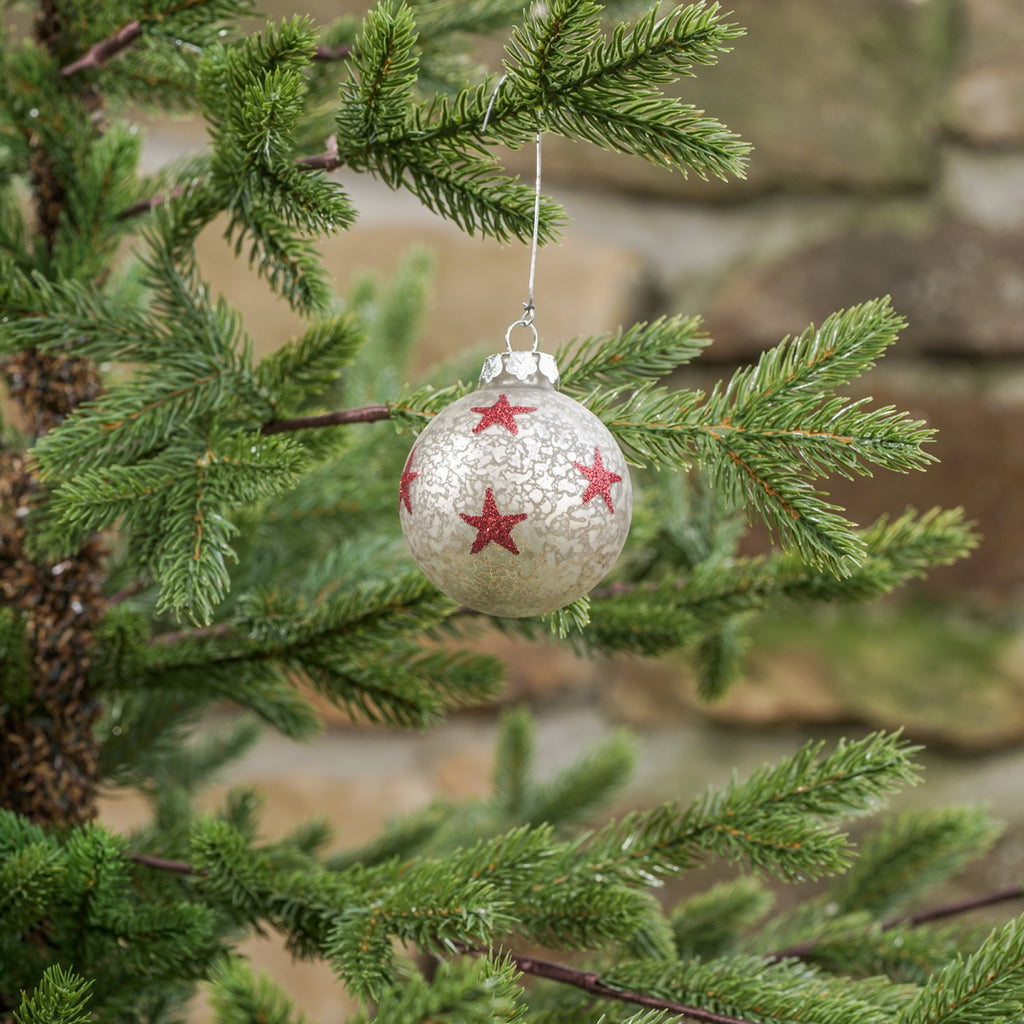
pixel 328 53
pixel 99 53
pixel 329 160
pixel 590 981
pixel 145 205
pixel 937 913
pixel 199 633
pixel 365 414
pixel 122 595
pixel 957 907
pixel 163 864
pixel 326 161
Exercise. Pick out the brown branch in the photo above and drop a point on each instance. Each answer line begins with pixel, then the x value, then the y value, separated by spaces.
pixel 125 593
pixel 200 633
pixel 365 414
pixel 163 864
pixel 145 205
pixel 326 161
pixel 957 907
pixel 328 53
pixel 329 160
pixel 99 53
pixel 943 910
pixel 590 981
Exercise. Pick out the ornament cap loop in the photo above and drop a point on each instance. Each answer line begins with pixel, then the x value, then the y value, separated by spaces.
pixel 527 322
pixel 519 367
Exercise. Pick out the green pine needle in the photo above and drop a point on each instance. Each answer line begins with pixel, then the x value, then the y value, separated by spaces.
pixel 911 853
pixel 61 997
pixel 773 429
pixel 752 989
pixel 984 987
pixel 781 820
pixel 239 996
pixel 714 921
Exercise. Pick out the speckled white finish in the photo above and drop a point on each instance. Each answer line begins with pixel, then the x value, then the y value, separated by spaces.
pixel 565 545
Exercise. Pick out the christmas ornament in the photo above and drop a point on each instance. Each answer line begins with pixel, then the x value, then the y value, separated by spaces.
pixel 515 500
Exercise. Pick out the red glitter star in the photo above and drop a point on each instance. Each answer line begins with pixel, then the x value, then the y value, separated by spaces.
pixel 493 526
pixel 601 480
pixel 501 412
pixel 407 478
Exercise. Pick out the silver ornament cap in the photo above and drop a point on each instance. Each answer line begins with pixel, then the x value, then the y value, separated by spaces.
pixel 515 500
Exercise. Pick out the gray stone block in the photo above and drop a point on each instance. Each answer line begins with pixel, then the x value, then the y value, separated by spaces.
pixel 960 285
pixel 987 93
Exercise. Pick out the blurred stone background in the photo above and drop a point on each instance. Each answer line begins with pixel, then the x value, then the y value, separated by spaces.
pixel 888 159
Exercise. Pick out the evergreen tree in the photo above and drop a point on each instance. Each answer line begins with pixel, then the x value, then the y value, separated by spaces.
pixel 183 524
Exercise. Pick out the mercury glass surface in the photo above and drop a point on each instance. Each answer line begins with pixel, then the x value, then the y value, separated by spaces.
pixel 515 500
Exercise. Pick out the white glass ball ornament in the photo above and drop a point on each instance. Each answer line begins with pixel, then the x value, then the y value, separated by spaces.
pixel 515 500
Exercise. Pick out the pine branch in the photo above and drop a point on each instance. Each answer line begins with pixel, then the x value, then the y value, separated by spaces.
pixel 61 997
pixel 909 854
pixel 768 434
pixel 986 986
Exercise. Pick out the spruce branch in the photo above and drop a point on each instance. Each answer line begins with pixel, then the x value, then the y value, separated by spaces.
pixel 61 997
pixel 909 854
pixel 988 985
pixel 328 161
pixel 769 433
pixel 638 355
pixel 605 91
pixel 154 201
pixel 781 819
pixel 356 647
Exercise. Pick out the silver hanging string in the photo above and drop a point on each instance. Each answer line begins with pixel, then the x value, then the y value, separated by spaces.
pixel 529 309
pixel 490 105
